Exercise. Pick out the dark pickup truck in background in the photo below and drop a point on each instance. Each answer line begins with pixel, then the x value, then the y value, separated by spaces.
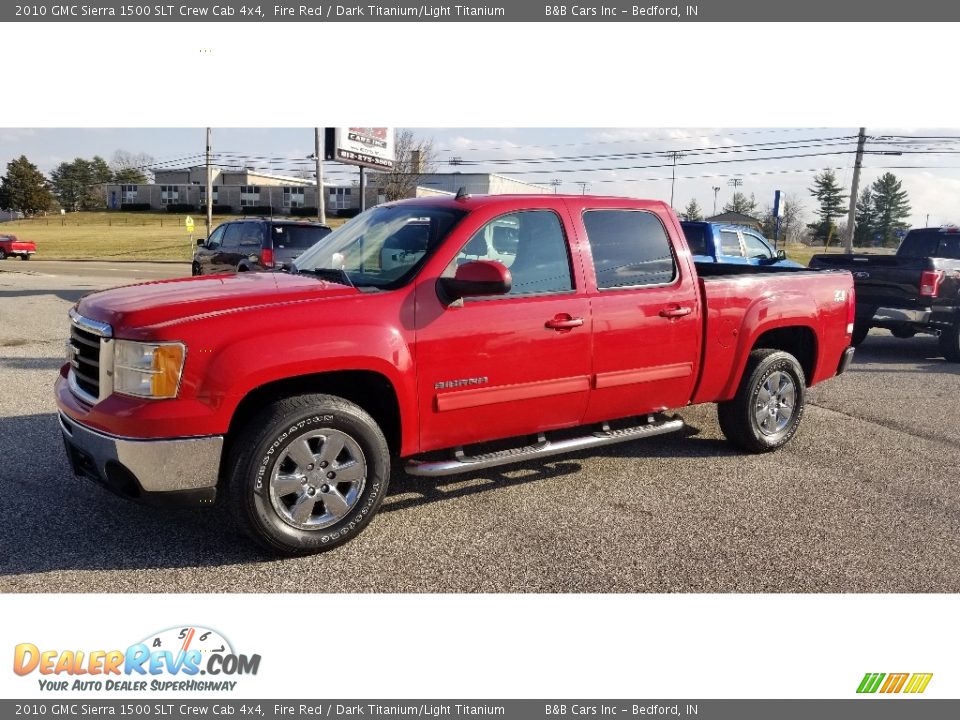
pixel 915 291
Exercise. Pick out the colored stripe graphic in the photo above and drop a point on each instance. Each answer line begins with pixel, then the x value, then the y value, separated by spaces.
pixel 894 682
pixel 870 682
pixel 918 683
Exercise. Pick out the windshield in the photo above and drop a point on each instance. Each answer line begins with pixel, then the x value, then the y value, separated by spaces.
pixel 382 247
pixel 298 236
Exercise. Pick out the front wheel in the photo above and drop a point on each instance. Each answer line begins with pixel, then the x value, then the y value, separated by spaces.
pixel 196 270
pixel 3 255
pixel 24 257
pixel 766 411
pixel 904 332
pixel 950 344
pixel 307 474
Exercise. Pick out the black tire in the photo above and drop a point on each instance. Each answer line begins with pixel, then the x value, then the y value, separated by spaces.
pixel 904 333
pixel 24 257
pixel 3 255
pixel 860 331
pixel 256 496
pixel 950 344
pixel 196 270
pixel 739 416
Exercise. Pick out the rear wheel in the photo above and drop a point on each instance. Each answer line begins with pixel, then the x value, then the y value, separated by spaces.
pixel 860 331
pixel 307 474
pixel 24 257
pixel 768 406
pixel 904 333
pixel 950 344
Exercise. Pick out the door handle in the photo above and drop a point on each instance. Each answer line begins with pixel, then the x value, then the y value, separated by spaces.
pixel 563 322
pixel 675 312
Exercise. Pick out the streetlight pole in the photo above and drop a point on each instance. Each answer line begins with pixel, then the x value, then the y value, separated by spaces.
pixel 209 184
pixel 318 154
pixel 716 189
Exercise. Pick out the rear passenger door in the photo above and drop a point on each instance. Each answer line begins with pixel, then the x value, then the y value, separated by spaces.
pixel 646 314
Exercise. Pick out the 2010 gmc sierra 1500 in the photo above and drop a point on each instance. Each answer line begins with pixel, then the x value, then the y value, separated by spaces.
pixel 548 323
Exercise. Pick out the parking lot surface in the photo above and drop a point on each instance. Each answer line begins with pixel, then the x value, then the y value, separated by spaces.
pixel 865 498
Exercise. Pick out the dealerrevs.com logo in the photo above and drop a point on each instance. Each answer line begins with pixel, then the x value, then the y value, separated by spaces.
pixel 179 659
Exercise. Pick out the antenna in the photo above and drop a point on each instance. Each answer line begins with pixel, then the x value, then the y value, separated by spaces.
pixel 462 193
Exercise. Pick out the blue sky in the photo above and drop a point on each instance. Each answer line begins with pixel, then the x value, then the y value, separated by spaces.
pixel 613 161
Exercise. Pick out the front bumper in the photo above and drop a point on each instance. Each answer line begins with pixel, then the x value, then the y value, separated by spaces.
pixel 178 471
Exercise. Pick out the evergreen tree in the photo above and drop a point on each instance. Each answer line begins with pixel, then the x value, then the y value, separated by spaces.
pixel 24 188
pixel 742 204
pixel 891 207
pixel 692 211
pixel 863 231
pixel 829 194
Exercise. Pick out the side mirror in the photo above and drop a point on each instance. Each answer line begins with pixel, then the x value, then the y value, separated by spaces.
pixel 201 241
pixel 478 278
pixel 781 254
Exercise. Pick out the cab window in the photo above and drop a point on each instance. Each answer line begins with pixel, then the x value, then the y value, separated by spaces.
pixel 756 248
pixel 531 244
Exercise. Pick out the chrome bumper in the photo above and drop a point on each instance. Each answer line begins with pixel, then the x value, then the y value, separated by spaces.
pixel 145 469
pixel 899 315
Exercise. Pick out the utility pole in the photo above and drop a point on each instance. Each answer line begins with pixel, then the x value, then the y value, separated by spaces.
pixel 583 186
pixel 676 155
pixel 716 189
pixel 363 190
pixel 318 154
pixel 556 184
pixel 854 189
pixel 209 185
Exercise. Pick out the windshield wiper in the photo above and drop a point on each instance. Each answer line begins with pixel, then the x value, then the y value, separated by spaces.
pixel 338 275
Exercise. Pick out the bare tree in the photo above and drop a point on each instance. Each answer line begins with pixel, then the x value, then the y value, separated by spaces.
pixel 415 157
pixel 133 168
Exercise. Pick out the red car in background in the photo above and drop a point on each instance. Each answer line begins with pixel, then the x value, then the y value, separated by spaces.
pixel 11 246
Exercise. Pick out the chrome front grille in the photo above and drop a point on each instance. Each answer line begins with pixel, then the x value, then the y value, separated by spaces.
pixel 87 362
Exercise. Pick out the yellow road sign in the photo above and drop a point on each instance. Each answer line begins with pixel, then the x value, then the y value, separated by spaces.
pixel 189 223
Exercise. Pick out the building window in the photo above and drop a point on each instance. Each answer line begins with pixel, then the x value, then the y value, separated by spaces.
pixel 340 198
pixel 293 197
pixel 128 193
pixel 249 195
pixel 203 195
pixel 169 194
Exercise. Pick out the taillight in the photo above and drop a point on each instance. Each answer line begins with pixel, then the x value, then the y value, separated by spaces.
pixel 266 257
pixel 930 282
pixel 851 310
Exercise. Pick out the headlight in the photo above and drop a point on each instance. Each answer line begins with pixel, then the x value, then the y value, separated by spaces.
pixel 150 370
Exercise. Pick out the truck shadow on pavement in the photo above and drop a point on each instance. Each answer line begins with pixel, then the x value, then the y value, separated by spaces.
pixel 54 522
pixel 922 351
pixel 71 296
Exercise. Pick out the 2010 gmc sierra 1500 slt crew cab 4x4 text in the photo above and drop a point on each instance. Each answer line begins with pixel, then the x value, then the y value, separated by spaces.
pixel 293 392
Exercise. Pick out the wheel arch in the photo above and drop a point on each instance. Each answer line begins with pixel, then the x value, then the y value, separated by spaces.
pixel 368 389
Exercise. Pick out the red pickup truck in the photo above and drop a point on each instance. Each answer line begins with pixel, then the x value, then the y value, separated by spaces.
pixel 450 334
pixel 10 246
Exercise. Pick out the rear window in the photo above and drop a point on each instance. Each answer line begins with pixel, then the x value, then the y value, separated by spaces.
pixel 696 238
pixel 629 247
pixel 298 236
pixel 920 244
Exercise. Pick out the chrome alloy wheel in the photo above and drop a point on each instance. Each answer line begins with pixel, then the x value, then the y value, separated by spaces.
pixel 318 479
pixel 775 403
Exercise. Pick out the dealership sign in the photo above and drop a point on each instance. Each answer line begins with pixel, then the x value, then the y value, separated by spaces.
pixel 367 147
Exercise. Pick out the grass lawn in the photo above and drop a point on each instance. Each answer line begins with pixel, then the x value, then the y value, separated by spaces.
pixel 115 235
pixel 803 253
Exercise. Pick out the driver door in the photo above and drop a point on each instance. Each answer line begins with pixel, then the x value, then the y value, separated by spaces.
pixel 507 365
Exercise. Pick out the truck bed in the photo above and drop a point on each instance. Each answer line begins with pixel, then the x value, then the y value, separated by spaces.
pixel 743 296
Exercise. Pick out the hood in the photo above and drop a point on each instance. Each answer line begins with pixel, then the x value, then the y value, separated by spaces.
pixel 172 301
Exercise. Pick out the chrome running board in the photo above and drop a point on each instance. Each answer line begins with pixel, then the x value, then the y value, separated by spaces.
pixel 461 462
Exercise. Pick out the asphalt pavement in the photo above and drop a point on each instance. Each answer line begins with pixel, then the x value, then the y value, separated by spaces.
pixel 865 498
